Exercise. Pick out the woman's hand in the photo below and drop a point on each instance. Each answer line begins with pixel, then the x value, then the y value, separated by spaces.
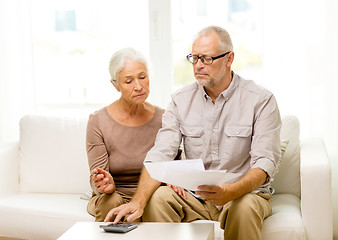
pixel 103 181
pixel 180 191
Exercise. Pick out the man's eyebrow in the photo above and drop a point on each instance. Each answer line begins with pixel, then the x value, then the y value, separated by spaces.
pixel 208 54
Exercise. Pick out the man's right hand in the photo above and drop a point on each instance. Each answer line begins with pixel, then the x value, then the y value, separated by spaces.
pixel 134 209
pixel 131 210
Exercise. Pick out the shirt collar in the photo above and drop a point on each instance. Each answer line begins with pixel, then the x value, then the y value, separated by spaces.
pixel 227 93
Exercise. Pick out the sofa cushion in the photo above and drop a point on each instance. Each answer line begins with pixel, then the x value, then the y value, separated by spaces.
pixel 287 179
pixel 285 221
pixel 52 155
pixel 41 216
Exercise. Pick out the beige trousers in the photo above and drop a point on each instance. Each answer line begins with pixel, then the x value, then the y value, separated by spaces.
pixel 99 205
pixel 241 218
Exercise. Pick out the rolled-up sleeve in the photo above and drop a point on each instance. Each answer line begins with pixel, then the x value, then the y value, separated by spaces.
pixel 265 147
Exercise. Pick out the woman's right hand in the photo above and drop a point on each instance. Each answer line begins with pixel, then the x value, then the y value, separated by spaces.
pixel 103 181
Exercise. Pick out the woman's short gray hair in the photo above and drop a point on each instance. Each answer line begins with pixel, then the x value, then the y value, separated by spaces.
pixel 119 58
pixel 225 42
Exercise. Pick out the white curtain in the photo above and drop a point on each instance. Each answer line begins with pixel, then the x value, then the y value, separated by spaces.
pixel 300 63
pixel 16 82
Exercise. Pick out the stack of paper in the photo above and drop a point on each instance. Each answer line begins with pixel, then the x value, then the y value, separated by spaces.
pixel 188 174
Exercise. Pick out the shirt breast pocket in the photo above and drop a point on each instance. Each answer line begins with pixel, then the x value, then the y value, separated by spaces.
pixel 237 140
pixel 193 141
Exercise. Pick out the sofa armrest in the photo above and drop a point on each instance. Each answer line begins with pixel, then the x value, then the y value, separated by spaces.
pixel 9 168
pixel 316 199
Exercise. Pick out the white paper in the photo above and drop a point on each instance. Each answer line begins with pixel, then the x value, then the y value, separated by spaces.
pixel 188 174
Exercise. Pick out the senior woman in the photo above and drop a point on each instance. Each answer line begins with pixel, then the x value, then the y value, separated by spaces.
pixel 120 134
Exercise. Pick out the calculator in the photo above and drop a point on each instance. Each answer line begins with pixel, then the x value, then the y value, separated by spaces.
pixel 119 227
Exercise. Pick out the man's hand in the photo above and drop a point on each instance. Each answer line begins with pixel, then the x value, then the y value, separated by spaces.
pixel 103 181
pixel 180 191
pixel 224 193
pixel 217 195
pixel 132 210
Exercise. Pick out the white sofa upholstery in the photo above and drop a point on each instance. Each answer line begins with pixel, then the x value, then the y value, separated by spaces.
pixel 43 176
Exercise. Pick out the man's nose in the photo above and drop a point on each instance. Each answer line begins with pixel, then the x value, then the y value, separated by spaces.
pixel 199 63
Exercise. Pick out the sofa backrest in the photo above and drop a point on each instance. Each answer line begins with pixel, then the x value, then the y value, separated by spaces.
pixel 53 155
pixel 287 179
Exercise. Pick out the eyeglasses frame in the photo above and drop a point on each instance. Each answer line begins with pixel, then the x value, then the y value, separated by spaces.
pixel 202 58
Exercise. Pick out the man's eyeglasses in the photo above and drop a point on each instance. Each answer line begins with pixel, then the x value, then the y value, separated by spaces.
pixel 207 60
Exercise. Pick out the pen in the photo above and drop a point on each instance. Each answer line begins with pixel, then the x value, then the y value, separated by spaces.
pixel 95 174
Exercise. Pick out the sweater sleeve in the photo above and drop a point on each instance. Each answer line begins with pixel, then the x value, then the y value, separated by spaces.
pixel 96 150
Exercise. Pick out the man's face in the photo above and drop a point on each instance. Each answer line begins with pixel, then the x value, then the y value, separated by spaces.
pixel 208 75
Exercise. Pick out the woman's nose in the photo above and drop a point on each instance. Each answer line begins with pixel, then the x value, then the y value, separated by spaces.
pixel 138 85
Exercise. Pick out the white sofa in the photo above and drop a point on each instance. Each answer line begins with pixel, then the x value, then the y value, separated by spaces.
pixel 43 176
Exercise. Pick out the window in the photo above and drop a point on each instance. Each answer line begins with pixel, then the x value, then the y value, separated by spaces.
pixel 72 44
pixel 73 41
pixel 241 18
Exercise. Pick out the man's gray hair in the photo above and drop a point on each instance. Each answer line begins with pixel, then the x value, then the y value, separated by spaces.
pixel 119 58
pixel 225 42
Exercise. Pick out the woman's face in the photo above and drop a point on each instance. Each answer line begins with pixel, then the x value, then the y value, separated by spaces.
pixel 133 82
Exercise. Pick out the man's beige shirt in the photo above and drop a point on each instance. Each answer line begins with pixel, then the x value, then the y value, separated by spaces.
pixel 239 132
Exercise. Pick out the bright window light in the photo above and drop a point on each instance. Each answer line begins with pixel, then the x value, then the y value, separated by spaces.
pixel 241 18
pixel 72 44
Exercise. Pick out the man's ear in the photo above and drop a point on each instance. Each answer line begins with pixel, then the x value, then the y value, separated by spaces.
pixel 116 86
pixel 230 59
